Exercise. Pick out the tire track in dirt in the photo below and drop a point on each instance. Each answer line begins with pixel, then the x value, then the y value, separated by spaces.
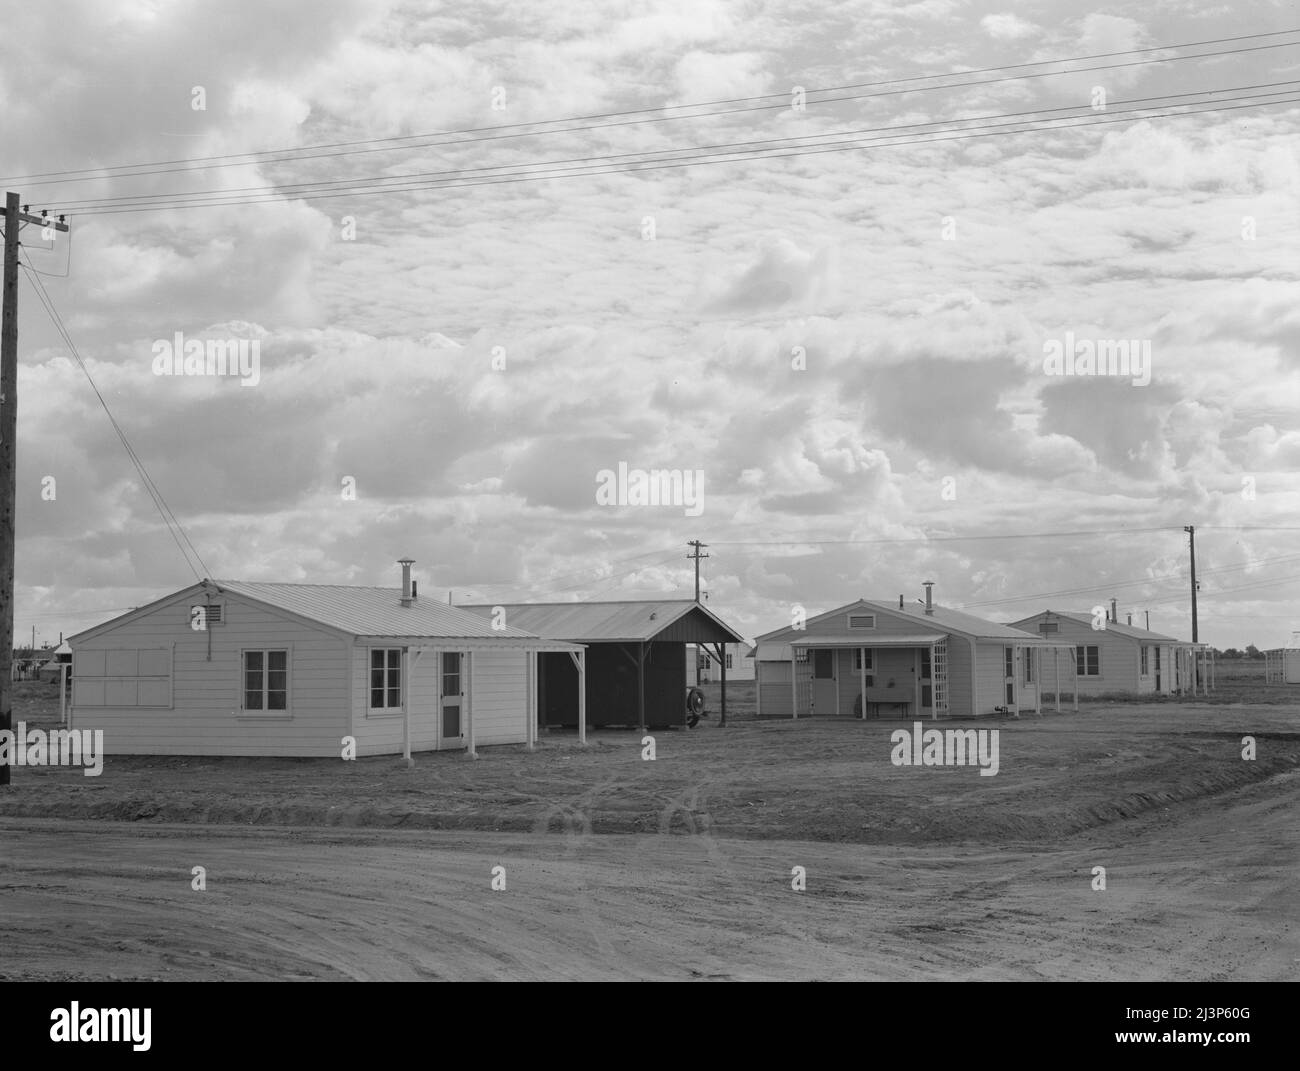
pixel 576 829
pixel 698 822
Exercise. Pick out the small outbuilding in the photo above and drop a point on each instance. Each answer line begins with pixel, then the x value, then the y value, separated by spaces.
pixel 875 659
pixel 242 668
pixel 635 657
pixel 1123 658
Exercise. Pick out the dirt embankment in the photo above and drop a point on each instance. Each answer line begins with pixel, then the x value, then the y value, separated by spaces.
pixel 1059 775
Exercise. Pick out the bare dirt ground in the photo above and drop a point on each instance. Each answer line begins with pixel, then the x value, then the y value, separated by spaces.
pixel 619 868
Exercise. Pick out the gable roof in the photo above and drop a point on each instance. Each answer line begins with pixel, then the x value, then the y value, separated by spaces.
pixel 943 618
pixel 356 611
pixel 372 611
pixel 628 621
pixel 1130 631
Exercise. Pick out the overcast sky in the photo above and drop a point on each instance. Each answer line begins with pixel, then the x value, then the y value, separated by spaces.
pixel 917 284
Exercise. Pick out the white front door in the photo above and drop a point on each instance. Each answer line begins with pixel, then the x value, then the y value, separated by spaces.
pixel 452 720
pixel 825 686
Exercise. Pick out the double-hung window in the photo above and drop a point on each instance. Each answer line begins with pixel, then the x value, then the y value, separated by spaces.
pixel 385 678
pixel 266 680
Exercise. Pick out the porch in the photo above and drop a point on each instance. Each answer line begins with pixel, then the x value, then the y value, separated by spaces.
pixel 904 675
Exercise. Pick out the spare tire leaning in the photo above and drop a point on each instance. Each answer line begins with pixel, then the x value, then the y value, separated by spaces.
pixel 694 702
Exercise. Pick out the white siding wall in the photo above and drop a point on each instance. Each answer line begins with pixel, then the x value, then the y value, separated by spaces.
pixel 379 732
pixel 990 667
pixel 960 701
pixel 497 694
pixel 776 688
pixel 889 663
pixel 207 694
pixel 1120 659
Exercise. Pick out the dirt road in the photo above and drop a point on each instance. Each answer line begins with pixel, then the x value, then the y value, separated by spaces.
pixel 1205 890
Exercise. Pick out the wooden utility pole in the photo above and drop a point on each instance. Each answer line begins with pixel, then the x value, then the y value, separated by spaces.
pixel 696 557
pixel 15 217
pixel 1190 529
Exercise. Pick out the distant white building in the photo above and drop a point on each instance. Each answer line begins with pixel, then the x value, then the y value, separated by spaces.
pixel 1282 664
pixel 740 663
pixel 1125 658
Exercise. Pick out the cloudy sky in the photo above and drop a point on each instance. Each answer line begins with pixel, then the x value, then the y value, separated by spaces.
pixel 848 344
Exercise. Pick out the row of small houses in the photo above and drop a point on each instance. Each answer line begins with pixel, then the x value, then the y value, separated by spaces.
pixel 239 668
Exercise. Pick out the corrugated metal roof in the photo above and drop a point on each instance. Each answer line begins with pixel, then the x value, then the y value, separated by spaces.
pixel 373 611
pixel 632 621
pixel 956 621
pixel 943 617
pixel 1131 631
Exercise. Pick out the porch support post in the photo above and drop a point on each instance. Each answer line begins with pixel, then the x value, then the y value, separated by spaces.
pixel 1038 679
pixel 640 685
pixel 721 649
pixel 934 707
pixel 1076 682
pixel 406 704
pixel 530 732
pixel 582 698
pixel 1056 677
pixel 469 700
pixel 862 679
pixel 722 701
pixel 794 684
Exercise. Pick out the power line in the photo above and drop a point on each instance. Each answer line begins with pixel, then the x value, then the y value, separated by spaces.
pixel 935 539
pixel 495 132
pixel 171 202
pixel 174 527
pixel 648 155
pixel 1121 585
pixel 564 576
pixel 637 169
pixel 663 558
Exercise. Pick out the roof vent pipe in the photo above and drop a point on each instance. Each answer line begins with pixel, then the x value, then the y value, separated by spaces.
pixel 406 564
pixel 1114 612
pixel 929 591
pixel 900 602
pixel 1130 619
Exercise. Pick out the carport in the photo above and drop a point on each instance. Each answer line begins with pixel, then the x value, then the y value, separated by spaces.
pixel 635 658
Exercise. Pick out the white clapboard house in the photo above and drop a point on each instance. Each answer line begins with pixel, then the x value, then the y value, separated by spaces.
pixel 239 668
pixel 1122 658
pixel 881 659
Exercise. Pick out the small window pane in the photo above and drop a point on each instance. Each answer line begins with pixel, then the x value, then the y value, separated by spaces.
pixel 253 660
pixel 377 697
pixel 376 659
pixel 253 700
pixel 277 700
pixel 277 659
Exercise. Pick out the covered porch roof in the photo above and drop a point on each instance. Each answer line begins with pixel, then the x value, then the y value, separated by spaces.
pixel 919 639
